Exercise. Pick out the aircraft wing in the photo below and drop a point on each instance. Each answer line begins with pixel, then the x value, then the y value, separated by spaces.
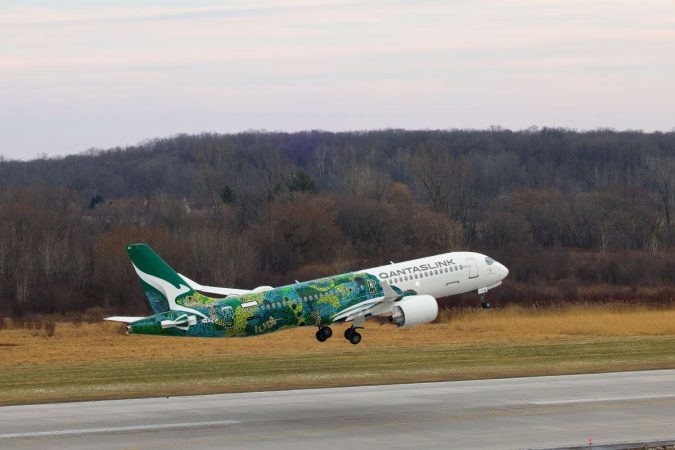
pixel 212 289
pixel 125 319
pixel 372 307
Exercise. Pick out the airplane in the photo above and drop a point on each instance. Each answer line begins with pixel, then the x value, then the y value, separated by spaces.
pixel 404 292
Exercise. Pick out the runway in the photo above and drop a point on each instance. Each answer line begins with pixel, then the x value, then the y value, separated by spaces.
pixel 538 412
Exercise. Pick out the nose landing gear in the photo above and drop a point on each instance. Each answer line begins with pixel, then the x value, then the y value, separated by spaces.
pixel 483 302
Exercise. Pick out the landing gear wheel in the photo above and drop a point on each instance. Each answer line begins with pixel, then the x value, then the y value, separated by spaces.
pixel 326 331
pixel 348 332
pixel 355 337
pixel 484 303
pixel 323 334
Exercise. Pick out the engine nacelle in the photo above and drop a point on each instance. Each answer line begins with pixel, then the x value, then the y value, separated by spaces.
pixel 414 310
pixel 263 289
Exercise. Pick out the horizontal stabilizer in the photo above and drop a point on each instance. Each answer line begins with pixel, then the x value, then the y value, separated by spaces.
pixel 211 289
pixel 125 319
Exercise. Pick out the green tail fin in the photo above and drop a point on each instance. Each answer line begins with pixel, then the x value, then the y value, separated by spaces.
pixel 162 285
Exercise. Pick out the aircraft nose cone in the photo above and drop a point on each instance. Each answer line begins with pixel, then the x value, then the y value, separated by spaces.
pixel 504 272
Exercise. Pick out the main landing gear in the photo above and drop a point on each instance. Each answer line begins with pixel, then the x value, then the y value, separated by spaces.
pixel 352 335
pixel 323 334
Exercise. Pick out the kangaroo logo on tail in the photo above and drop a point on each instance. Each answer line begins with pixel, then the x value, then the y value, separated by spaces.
pixel 162 285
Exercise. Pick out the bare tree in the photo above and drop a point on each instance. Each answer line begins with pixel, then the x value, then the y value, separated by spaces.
pixel 662 173
pixel 433 168
pixel 216 164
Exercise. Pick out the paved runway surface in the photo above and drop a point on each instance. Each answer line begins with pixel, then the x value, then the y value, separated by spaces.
pixel 541 412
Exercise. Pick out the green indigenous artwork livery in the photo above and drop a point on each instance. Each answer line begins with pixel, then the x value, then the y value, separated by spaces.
pixel 182 311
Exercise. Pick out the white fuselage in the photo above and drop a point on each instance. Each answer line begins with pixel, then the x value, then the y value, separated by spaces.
pixel 443 275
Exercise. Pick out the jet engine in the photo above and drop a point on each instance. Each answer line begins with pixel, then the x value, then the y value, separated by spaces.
pixel 414 310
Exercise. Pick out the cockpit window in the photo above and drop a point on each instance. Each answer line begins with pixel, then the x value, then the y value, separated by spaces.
pixel 489 261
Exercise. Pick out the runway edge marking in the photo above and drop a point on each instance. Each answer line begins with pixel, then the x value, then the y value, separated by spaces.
pixel 161 426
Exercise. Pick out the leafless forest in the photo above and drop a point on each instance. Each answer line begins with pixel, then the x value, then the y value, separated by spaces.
pixel 576 216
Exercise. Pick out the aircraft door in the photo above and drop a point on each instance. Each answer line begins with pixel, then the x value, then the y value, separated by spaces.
pixel 473 267
pixel 227 315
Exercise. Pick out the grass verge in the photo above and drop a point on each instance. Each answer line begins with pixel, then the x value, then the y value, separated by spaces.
pixel 95 361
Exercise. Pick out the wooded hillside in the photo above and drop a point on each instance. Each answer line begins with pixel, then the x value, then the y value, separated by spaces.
pixel 573 215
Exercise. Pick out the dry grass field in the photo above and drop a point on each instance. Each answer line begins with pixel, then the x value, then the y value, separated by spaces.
pixel 97 360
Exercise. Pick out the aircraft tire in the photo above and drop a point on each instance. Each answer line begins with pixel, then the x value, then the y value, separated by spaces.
pixel 348 333
pixel 355 337
pixel 326 332
pixel 320 336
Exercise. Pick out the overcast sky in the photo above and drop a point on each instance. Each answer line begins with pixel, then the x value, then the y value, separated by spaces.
pixel 84 74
